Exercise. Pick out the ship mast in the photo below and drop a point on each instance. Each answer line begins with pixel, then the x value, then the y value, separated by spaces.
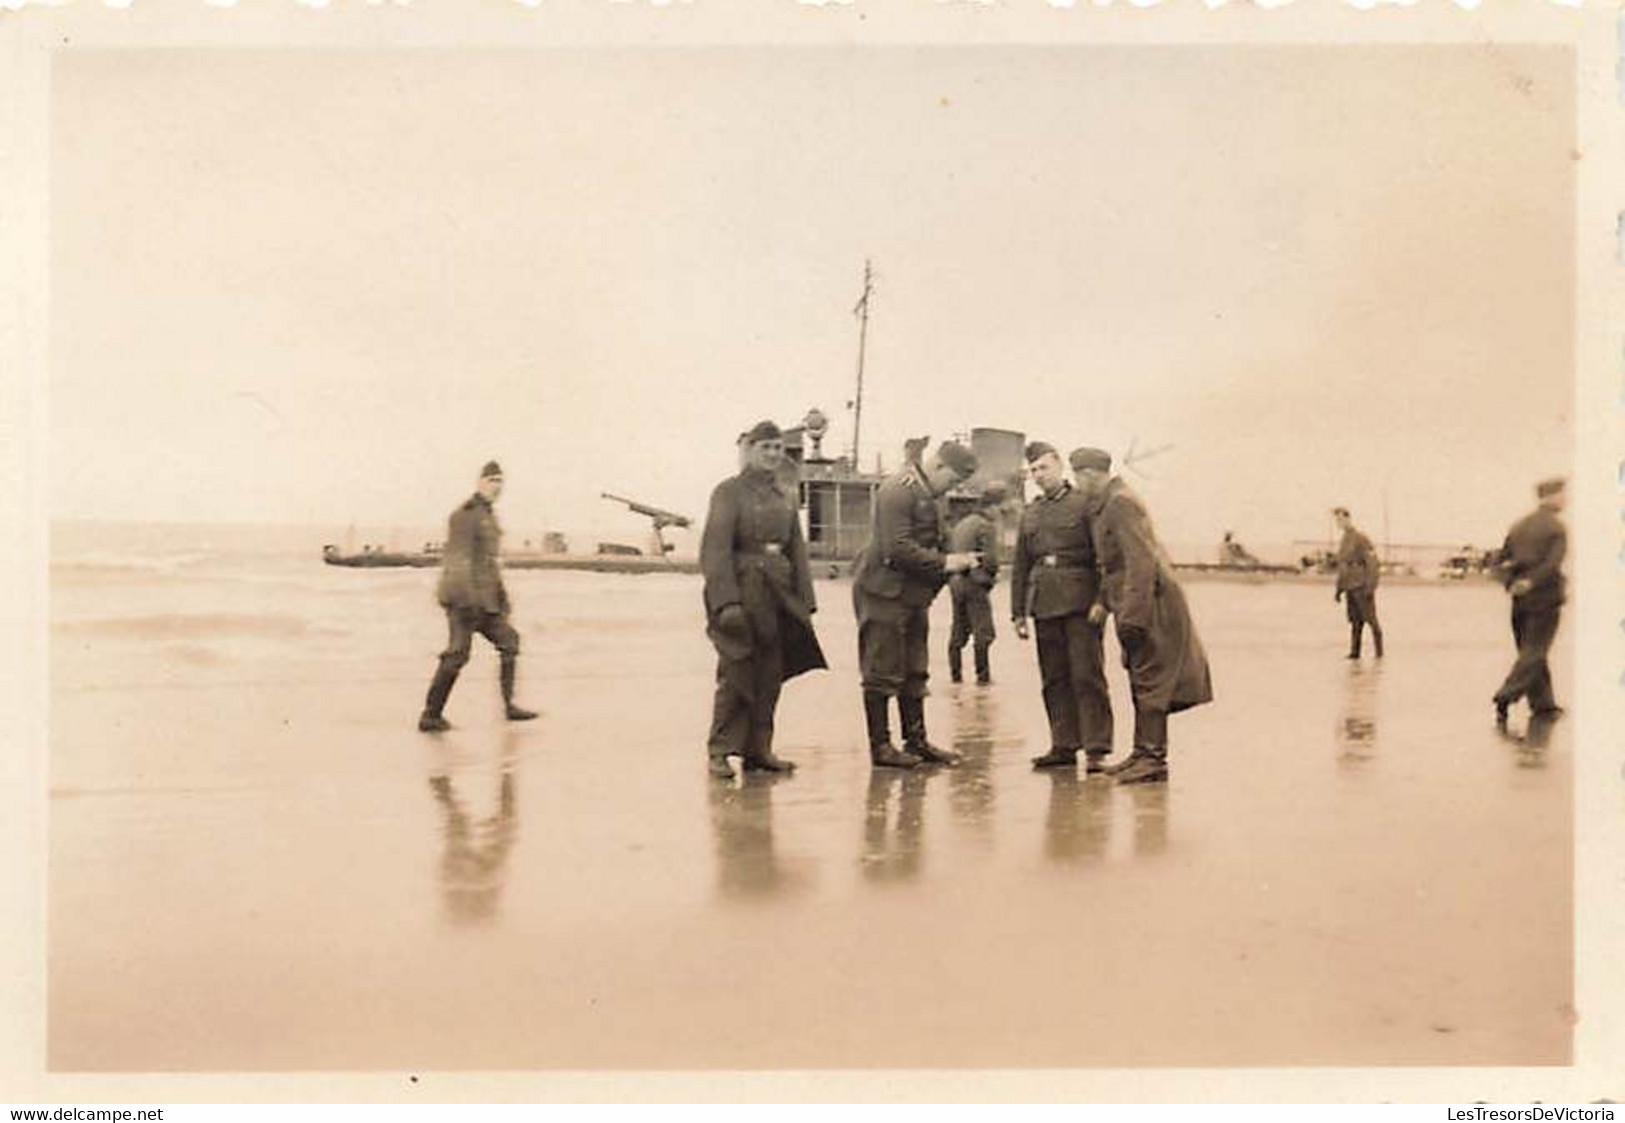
pixel 861 311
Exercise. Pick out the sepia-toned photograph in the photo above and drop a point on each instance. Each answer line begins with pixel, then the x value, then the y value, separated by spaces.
pixel 838 556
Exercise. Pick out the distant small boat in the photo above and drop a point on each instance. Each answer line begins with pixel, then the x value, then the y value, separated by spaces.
pixel 608 561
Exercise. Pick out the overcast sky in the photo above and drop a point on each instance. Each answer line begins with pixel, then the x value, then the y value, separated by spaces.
pixel 321 287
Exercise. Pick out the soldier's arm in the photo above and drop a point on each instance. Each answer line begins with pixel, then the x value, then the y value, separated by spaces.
pixel 892 508
pixel 457 560
pixel 1139 566
pixel 1020 564
pixel 1555 546
pixel 717 548
pixel 799 566
pixel 1370 559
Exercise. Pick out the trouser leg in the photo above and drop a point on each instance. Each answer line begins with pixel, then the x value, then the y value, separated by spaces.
pixel 1086 659
pixel 1531 676
pixel 958 634
pixel 980 611
pixel 460 635
pixel 1055 672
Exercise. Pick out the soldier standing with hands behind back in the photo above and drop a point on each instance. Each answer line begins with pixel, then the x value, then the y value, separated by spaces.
pixel 475 600
pixel 896 578
pixel 1358 569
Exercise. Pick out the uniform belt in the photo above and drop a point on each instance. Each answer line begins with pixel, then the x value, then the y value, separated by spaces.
pixel 1056 561
pixel 766 549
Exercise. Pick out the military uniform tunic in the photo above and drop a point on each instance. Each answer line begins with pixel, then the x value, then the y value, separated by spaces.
pixel 1358 571
pixel 753 556
pixel 897 576
pixel 1168 670
pixel 470 588
pixel 1054 579
pixel 1534 550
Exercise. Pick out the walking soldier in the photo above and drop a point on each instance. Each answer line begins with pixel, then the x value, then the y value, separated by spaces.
pixel 472 593
pixel 1530 567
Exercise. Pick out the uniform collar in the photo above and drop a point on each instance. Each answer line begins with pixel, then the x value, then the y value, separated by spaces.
pixel 1066 486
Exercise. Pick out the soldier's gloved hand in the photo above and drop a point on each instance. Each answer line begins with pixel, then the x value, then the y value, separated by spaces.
pixel 1097 614
pixel 732 619
pixel 1021 627
pixel 1521 586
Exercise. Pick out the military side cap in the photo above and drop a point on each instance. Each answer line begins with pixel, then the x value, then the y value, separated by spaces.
pixel 1038 449
pixel 1342 511
pixel 961 459
pixel 1552 486
pixel 492 468
pixel 764 431
pixel 1095 458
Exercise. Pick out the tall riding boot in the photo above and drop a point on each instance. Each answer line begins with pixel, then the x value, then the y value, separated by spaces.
pixel 1376 637
pixel 509 672
pixel 1355 631
pixel 445 677
pixel 881 750
pixel 983 674
pixel 956 663
pixel 912 711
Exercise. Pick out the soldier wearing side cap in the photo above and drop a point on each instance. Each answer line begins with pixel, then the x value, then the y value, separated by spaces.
pixel 475 600
pixel 1358 570
pixel 759 603
pixel 1167 668
pixel 896 577
pixel 1054 580
pixel 976 533
pixel 1530 566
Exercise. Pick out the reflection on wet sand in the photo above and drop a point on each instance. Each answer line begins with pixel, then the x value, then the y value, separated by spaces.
pixel 742 827
pixel 1150 803
pixel 472 866
pixel 1531 745
pixel 1357 721
pixel 892 824
pixel 970 785
pixel 1078 823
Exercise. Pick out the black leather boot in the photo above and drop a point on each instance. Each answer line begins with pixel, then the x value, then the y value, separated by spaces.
pixel 881 751
pixel 956 664
pixel 431 721
pixel 1149 765
pixel 1355 631
pixel 509 672
pixel 914 741
pixel 984 674
pixel 1057 758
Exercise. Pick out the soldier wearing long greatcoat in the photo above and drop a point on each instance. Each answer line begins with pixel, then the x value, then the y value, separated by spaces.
pixel 897 576
pixel 475 600
pixel 1358 570
pixel 1167 668
pixel 1054 581
pixel 1530 566
pixel 759 602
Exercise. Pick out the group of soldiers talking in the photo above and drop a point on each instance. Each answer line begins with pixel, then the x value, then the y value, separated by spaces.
pixel 1085 553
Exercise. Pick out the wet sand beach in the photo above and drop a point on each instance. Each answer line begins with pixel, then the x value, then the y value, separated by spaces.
pixel 257 863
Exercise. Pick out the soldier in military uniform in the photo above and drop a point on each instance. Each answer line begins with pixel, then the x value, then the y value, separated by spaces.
pixel 1054 581
pixel 1530 567
pixel 1167 668
pixel 976 533
pixel 1358 569
pixel 759 603
pixel 896 578
pixel 472 593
